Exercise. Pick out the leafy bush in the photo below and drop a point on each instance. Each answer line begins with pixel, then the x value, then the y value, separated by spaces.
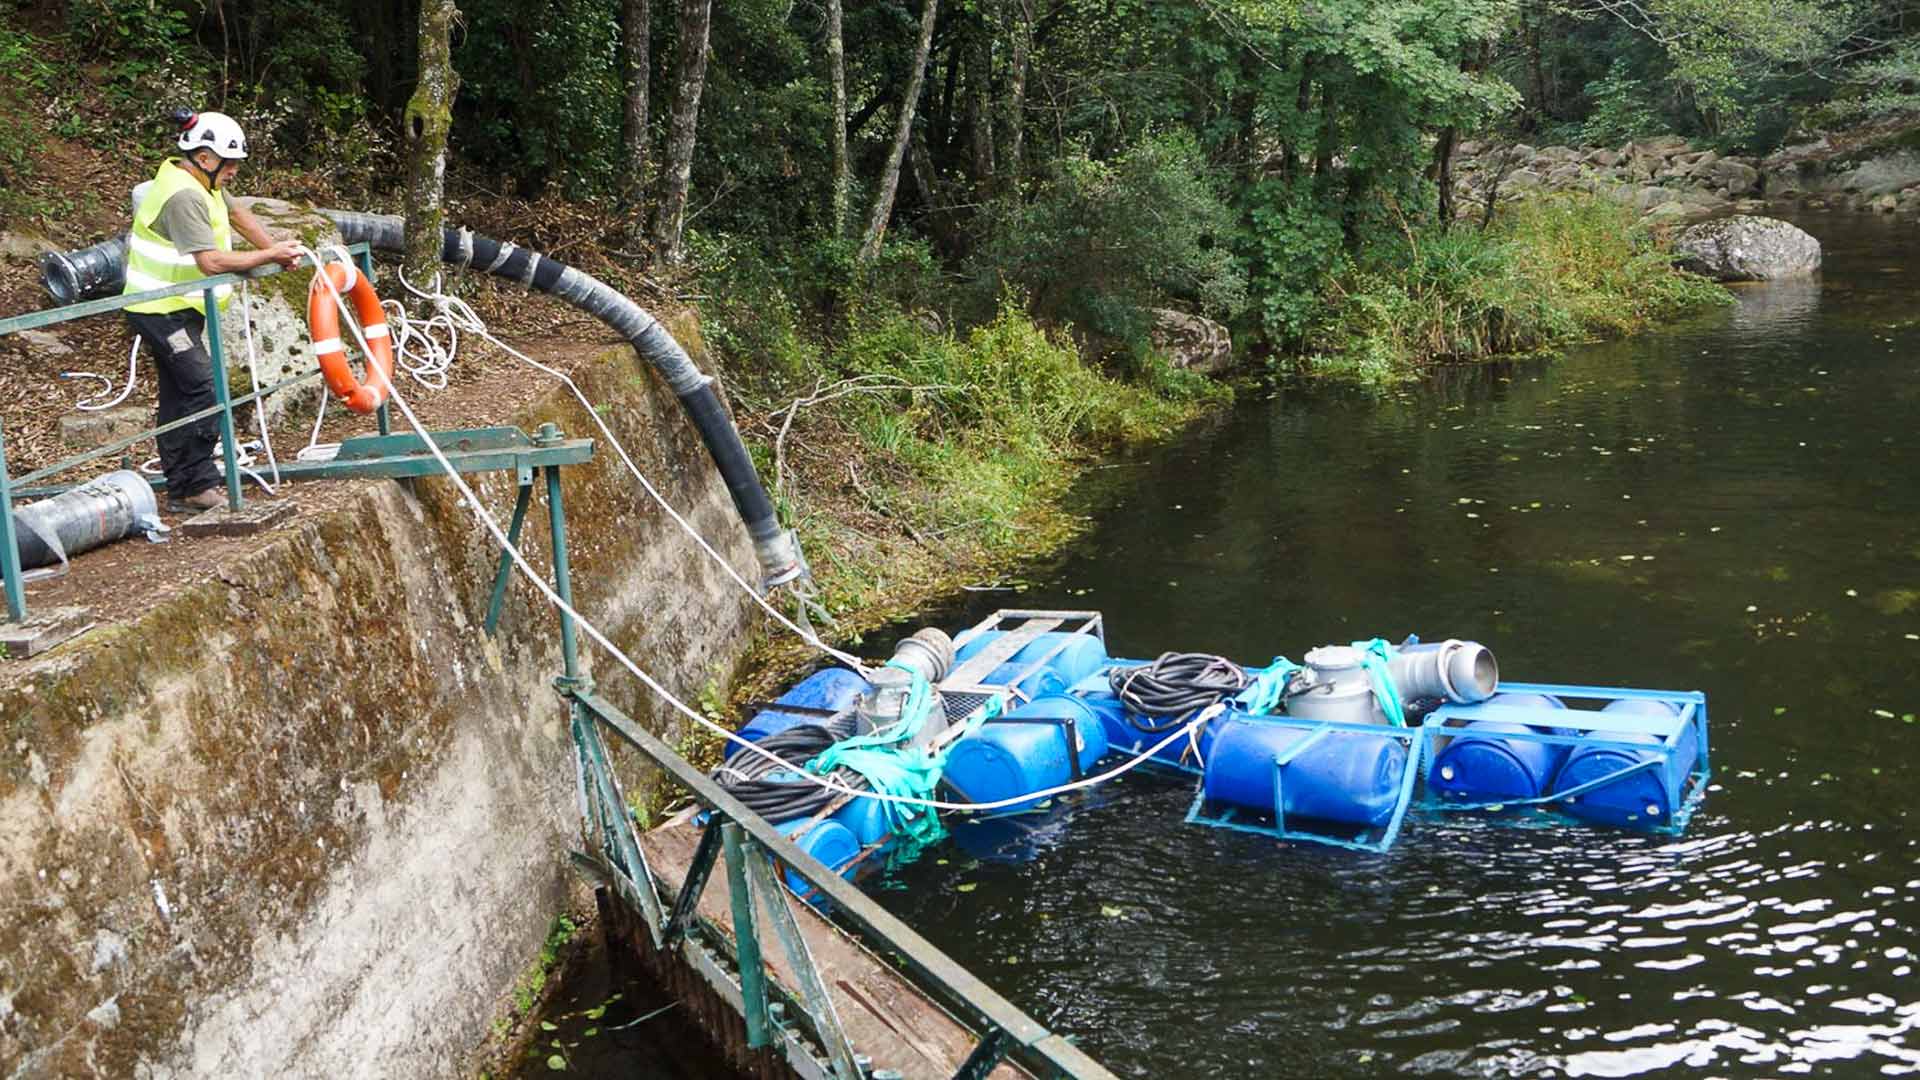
pixel 1620 108
pixel 541 92
pixel 1001 407
pixel 1551 271
pixel 1102 241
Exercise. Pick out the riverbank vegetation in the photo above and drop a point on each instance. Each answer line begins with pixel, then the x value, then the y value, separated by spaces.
pixel 1275 166
pixel 950 236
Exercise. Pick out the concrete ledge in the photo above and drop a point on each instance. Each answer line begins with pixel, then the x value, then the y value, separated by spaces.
pixel 257 516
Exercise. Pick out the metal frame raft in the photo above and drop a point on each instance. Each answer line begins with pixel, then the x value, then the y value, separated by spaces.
pixel 1590 728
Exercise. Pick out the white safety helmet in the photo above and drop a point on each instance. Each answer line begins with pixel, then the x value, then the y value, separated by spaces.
pixel 213 131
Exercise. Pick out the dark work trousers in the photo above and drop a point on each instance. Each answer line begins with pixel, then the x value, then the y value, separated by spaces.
pixel 177 342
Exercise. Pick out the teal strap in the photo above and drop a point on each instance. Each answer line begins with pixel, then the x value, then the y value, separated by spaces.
pixel 893 766
pixel 1262 696
pixel 1373 657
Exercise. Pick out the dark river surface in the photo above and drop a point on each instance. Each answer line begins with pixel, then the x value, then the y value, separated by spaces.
pixel 1730 505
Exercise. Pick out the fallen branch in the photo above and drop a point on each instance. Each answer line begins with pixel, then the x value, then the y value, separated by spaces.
pixel 859 384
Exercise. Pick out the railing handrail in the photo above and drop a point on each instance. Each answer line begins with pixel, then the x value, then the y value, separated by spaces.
pixel 1033 1044
pixel 33 320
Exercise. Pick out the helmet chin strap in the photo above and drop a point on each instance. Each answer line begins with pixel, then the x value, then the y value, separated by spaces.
pixel 212 175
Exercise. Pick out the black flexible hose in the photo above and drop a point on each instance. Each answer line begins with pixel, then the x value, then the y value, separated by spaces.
pixel 1173 686
pixel 101 270
pixel 747 776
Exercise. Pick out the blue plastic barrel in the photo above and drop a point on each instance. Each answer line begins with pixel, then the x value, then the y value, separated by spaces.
pixel 1345 776
pixel 1006 758
pixel 829 841
pixel 865 818
pixel 1646 799
pixel 1477 767
pixel 1124 738
pixel 831 688
pixel 1083 655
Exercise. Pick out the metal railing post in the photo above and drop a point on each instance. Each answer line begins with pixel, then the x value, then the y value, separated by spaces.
pixel 501 573
pixel 9 544
pixel 222 394
pixel 562 579
pixel 746 939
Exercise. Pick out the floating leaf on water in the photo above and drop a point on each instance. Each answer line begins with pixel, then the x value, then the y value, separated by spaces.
pixel 1779 710
pixel 556 1063
pixel 967 886
pixel 1112 912
pixel 590 1033
pixel 595 1013
pixel 548 1025
pixel 1883 714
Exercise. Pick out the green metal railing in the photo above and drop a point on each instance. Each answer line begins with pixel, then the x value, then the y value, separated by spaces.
pixel 751 846
pixel 12 487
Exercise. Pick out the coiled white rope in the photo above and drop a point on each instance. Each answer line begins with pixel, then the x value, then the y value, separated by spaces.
pixel 593 632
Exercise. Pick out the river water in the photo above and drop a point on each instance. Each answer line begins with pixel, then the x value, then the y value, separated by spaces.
pixel 1730 505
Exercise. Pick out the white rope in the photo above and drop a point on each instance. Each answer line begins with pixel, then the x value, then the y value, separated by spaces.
pixel 472 501
pixel 259 404
pixel 93 402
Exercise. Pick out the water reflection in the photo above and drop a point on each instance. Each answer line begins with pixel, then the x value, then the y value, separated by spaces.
pixel 1729 506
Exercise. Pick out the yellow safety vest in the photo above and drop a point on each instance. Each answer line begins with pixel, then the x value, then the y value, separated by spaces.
pixel 152 260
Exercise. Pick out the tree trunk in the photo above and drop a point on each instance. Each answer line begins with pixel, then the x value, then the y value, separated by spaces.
pixel 695 17
pixel 890 176
pixel 428 118
pixel 980 110
pixel 1324 142
pixel 837 75
pixel 638 29
pixel 1016 119
pixel 1302 105
pixel 1443 173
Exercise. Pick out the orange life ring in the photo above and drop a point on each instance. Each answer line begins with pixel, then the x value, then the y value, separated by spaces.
pixel 323 316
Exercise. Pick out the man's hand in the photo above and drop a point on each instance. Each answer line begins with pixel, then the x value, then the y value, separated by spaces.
pixel 284 252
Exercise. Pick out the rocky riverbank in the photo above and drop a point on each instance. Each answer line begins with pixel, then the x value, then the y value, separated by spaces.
pixel 1669 179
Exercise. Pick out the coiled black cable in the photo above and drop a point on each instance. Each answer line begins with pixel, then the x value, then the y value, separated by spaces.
pixel 1173 686
pixel 748 776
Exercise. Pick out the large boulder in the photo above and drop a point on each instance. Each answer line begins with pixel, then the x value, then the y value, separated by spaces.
pixel 1192 342
pixel 1737 177
pixel 1747 248
pixel 277 308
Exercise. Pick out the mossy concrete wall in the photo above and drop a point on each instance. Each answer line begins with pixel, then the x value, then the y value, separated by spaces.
pixel 304 819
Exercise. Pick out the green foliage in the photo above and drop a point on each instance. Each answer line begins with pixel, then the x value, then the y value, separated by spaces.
pixel 25 78
pixel 1103 241
pixel 1621 108
pixel 127 29
pixel 559 933
pixel 996 411
pixel 540 96
pixel 1550 272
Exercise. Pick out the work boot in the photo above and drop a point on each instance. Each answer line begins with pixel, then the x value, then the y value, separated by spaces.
pixel 197 502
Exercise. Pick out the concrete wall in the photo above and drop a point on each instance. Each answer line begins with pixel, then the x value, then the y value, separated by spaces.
pixel 305 820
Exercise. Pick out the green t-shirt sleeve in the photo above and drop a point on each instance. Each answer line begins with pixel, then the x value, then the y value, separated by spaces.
pixel 184 220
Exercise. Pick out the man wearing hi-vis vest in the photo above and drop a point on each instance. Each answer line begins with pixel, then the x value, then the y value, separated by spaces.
pixel 183 231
